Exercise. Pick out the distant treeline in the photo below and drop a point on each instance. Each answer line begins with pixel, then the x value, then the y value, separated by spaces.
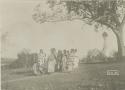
pixel 25 59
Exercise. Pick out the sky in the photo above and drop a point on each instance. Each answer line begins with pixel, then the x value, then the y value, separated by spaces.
pixel 20 31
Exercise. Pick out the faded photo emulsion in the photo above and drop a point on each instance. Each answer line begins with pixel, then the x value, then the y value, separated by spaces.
pixel 62 44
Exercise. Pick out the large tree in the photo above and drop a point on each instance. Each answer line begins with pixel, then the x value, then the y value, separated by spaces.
pixel 109 13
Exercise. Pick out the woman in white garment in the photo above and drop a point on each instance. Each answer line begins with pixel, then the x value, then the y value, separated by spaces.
pixel 64 61
pixel 52 61
pixel 76 59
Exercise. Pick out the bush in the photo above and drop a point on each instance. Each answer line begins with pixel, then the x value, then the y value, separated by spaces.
pixel 95 55
pixel 24 60
pixel 115 56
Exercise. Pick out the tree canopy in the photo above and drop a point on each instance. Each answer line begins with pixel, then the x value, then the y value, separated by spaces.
pixel 110 13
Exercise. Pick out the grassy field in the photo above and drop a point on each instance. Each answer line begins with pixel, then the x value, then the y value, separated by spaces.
pixel 84 78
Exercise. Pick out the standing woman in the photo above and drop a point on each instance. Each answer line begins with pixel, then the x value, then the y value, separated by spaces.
pixel 59 61
pixel 52 61
pixel 76 59
pixel 64 61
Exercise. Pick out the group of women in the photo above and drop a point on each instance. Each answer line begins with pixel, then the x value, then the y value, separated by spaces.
pixel 61 61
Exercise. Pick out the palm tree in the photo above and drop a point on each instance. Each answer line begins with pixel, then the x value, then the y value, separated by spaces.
pixel 104 35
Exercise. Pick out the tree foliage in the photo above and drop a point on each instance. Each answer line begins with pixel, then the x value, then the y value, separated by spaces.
pixel 25 60
pixel 105 12
pixel 95 55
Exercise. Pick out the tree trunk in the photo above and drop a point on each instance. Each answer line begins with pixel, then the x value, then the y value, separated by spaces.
pixel 120 44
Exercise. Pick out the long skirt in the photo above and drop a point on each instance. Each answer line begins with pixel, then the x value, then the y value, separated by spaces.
pixel 69 65
pixel 76 62
pixel 51 66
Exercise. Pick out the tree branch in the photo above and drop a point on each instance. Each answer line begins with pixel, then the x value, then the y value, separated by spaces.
pixel 106 24
pixel 62 20
pixel 87 6
pixel 112 27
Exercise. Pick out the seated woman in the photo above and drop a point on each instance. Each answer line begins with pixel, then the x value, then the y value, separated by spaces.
pixel 40 66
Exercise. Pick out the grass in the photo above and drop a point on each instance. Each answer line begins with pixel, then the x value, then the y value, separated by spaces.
pixel 86 75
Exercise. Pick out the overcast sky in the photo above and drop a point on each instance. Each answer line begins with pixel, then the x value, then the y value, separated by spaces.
pixel 20 31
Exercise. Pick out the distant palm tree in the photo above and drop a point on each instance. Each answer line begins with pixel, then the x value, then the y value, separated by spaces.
pixel 105 35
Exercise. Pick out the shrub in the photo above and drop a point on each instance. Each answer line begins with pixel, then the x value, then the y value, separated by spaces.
pixel 24 60
pixel 116 57
pixel 95 55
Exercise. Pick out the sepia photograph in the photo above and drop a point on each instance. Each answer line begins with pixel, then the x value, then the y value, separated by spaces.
pixel 62 44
